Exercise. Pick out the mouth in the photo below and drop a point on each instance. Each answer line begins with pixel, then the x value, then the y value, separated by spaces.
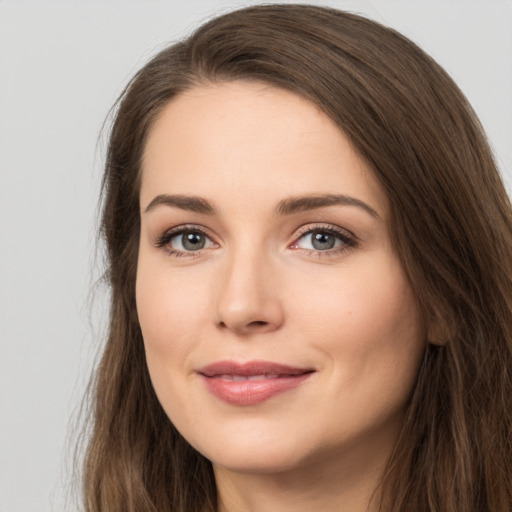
pixel 253 382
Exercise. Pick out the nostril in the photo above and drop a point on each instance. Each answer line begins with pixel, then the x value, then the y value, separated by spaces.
pixel 258 323
pixel 251 325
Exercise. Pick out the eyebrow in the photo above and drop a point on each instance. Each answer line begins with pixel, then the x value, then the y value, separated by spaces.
pixel 188 203
pixel 287 206
pixel 303 203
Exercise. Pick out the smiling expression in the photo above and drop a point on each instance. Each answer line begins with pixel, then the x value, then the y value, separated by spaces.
pixel 280 328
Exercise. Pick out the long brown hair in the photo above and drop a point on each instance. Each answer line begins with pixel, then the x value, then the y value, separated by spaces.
pixel 451 224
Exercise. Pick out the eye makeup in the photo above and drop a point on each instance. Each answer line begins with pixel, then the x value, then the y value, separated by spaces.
pixel 320 240
pixel 324 240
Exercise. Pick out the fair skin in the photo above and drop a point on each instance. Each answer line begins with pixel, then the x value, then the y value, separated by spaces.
pixel 249 273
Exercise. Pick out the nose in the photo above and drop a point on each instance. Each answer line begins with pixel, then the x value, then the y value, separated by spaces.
pixel 248 300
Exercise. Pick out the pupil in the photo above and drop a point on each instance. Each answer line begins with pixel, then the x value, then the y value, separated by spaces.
pixel 322 240
pixel 193 241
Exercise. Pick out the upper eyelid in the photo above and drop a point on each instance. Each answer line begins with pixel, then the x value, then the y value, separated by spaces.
pixel 304 228
pixel 308 228
pixel 187 227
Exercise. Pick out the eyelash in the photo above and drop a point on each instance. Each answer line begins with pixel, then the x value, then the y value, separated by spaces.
pixel 163 241
pixel 347 239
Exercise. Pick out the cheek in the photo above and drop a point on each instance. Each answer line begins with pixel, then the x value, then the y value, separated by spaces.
pixel 168 311
pixel 168 307
pixel 367 322
pixel 372 297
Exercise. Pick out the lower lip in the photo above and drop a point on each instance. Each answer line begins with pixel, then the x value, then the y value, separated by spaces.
pixel 252 392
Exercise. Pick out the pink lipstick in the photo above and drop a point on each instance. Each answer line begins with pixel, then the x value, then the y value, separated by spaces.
pixel 251 383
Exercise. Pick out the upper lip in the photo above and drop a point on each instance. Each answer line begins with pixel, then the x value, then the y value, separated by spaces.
pixel 251 368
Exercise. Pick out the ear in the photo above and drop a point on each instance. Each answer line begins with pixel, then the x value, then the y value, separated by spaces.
pixel 439 330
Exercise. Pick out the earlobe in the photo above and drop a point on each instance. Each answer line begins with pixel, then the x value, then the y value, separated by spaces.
pixel 439 330
pixel 438 342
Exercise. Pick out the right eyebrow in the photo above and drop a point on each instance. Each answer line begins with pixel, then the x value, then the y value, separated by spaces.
pixel 188 203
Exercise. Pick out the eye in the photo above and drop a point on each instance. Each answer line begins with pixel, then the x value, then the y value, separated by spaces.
pixel 324 240
pixel 189 241
pixel 183 240
pixel 319 241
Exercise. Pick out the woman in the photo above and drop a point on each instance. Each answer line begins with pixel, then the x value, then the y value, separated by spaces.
pixel 310 255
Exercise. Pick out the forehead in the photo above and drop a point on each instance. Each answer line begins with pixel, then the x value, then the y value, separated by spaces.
pixel 242 139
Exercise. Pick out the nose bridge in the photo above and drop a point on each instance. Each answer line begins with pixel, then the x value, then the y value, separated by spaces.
pixel 248 299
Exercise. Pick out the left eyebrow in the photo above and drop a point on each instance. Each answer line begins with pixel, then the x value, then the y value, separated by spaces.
pixel 303 203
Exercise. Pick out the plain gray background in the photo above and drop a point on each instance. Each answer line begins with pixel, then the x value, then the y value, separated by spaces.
pixel 62 64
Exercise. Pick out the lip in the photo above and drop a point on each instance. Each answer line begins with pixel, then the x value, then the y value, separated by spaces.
pixel 253 382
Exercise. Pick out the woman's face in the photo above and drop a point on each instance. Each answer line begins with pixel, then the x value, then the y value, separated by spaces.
pixel 279 326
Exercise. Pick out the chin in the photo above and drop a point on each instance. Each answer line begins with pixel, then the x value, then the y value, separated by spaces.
pixel 258 461
pixel 260 452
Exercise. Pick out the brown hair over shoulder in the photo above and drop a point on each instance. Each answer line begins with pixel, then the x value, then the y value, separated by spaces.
pixel 451 224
